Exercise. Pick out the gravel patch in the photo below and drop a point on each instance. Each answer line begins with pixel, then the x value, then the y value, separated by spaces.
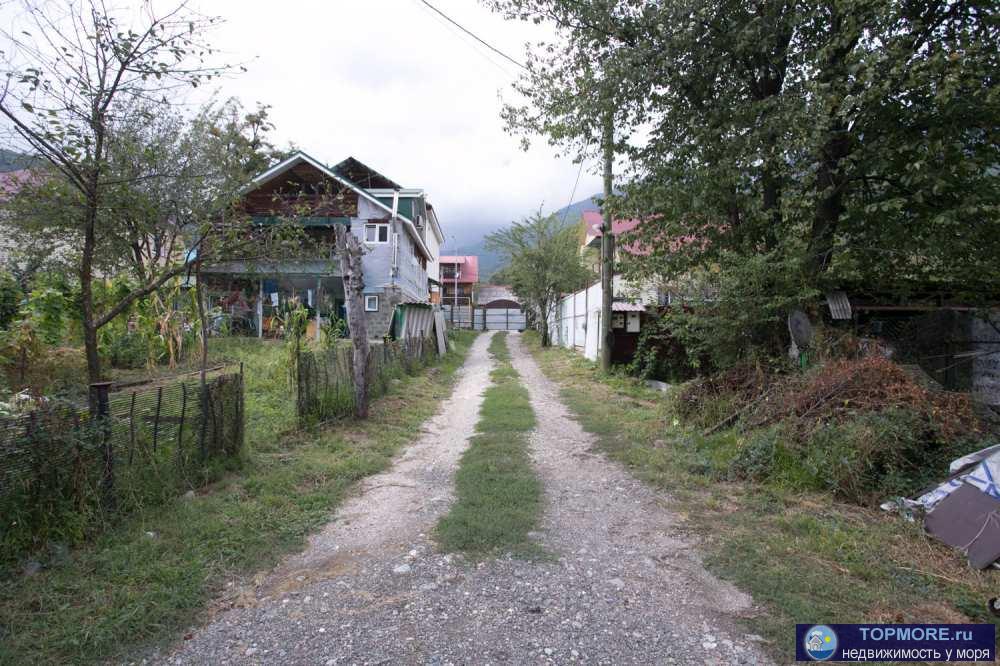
pixel 620 587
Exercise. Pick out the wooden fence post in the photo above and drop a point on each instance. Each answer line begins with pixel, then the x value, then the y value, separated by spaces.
pixel 99 397
pixel 156 417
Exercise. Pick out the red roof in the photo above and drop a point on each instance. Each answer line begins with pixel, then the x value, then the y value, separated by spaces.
pixel 11 182
pixel 594 222
pixel 469 268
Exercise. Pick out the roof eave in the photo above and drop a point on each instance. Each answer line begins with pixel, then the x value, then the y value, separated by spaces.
pixel 299 155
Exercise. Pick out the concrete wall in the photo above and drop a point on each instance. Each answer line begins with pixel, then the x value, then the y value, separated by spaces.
pixel 379 322
pixel 410 277
pixel 576 320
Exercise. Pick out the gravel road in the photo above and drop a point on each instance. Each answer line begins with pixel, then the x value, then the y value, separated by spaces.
pixel 620 586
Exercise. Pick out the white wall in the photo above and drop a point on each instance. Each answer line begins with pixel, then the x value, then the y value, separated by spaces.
pixel 576 320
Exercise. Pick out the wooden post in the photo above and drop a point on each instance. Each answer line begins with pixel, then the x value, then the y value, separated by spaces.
pixel 156 417
pixel 607 247
pixel 319 285
pixel 180 426
pixel 99 399
pixel 350 252
pixel 260 309
pixel 131 428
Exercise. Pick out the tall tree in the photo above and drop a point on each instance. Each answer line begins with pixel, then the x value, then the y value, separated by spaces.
pixel 75 72
pixel 542 262
pixel 815 141
pixel 576 96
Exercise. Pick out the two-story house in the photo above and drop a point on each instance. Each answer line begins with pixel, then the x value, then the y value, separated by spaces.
pixel 397 227
pixel 459 276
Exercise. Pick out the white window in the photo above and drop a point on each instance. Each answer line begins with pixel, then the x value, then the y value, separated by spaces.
pixel 376 233
pixel 371 303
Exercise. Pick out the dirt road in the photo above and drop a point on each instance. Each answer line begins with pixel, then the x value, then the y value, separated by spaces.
pixel 619 587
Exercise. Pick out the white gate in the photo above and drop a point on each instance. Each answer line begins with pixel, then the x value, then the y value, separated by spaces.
pixel 500 319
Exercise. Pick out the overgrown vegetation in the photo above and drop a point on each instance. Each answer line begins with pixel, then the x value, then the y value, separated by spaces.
pixel 771 523
pixel 861 428
pixel 153 574
pixel 802 147
pixel 68 477
pixel 499 494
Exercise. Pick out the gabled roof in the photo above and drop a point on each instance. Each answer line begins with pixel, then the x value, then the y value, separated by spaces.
pixel 300 157
pixel 594 221
pixel 363 175
pixel 470 268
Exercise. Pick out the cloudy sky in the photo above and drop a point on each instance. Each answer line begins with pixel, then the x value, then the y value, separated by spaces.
pixel 391 83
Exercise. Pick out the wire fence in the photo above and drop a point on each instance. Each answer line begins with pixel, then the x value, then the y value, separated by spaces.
pixel 63 471
pixel 324 379
pixel 955 349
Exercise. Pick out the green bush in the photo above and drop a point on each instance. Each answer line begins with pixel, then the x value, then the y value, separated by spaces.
pixel 755 458
pixel 659 355
pixel 10 299
pixel 874 455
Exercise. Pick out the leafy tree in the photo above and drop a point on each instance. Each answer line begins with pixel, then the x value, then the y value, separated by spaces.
pixel 542 262
pixel 77 75
pixel 10 299
pixel 830 141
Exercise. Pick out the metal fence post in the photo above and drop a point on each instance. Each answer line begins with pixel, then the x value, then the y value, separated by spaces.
pixel 99 397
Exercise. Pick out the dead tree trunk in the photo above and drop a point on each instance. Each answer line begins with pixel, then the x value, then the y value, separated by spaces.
pixel 203 369
pixel 349 251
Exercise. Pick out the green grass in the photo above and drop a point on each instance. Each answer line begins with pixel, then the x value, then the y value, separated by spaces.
pixel 803 555
pixel 127 589
pixel 499 495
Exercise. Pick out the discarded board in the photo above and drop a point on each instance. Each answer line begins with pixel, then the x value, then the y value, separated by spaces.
pixel 969 520
pixel 442 343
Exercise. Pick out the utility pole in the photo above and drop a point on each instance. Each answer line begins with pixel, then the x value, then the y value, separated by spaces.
pixel 607 244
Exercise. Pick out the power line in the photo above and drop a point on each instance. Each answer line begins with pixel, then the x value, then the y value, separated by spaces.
pixel 462 37
pixel 473 35
pixel 573 195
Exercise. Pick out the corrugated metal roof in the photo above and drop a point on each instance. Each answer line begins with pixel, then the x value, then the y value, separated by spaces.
pixel 627 307
pixel 840 305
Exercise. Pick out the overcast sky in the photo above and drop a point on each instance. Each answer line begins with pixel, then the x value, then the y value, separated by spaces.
pixel 394 85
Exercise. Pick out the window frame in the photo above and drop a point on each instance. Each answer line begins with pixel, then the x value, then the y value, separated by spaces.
pixel 377 227
pixel 370 296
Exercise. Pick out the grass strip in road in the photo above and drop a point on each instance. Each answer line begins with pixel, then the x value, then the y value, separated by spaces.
pixel 498 493
pixel 152 575
pixel 804 556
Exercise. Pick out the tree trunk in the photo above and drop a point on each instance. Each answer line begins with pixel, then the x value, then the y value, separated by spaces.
pixel 350 252
pixel 544 324
pixel 203 370
pixel 87 295
pixel 830 186
pixel 200 297
pixel 607 248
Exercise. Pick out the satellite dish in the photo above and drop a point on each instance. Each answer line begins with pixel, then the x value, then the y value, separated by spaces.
pixel 800 329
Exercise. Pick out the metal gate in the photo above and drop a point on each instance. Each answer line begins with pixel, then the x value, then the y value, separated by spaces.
pixel 499 319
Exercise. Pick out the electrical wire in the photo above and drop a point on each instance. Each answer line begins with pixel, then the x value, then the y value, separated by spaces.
pixel 473 35
pixel 464 39
pixel 573 194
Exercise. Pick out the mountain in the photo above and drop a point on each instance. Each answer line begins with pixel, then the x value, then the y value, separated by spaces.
pixel 573 211
pixel 490 262
pixel 12 161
